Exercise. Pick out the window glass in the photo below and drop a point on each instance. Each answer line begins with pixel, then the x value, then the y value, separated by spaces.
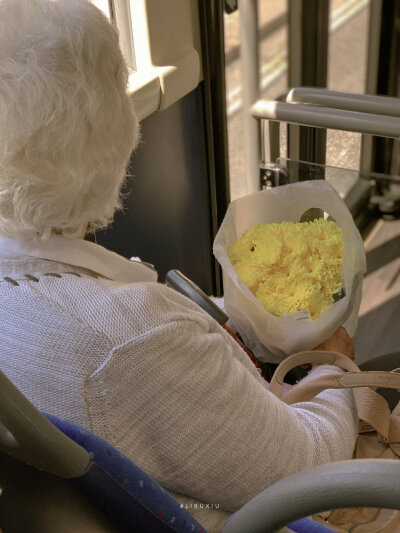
pixel 119 12
pixel 104 5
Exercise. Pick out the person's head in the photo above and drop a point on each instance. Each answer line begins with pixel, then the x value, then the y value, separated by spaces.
pixel 67 127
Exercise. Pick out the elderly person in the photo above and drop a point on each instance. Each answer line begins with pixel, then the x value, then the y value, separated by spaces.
pixel 92 337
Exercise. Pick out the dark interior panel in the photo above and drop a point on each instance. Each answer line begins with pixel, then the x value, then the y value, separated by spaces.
pixel 167 208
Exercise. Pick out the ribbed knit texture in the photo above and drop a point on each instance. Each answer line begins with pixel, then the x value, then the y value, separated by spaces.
pixel 147 370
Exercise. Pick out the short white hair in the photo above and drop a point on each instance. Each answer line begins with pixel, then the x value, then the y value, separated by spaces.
pixel 67 125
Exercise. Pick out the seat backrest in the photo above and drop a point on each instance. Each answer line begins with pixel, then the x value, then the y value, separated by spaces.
pixel 151 499
pixel 56 471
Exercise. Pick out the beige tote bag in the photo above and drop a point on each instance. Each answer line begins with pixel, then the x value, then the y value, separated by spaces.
pixel 379 429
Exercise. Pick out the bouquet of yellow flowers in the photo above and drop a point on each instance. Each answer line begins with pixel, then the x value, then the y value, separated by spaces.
pixel 291 266
pixel 288 285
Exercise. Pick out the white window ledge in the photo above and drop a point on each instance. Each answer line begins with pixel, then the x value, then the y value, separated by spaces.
pixel 157 88
pixel 167 49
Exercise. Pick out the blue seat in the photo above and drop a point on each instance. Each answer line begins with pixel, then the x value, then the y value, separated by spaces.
pixel 58 477
pixel 153 498
pixel 150 499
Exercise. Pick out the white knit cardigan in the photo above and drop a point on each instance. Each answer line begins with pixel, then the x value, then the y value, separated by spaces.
pixel 93 338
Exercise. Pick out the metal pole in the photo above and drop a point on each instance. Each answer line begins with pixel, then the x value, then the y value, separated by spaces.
pixel 382 78
pixel 308 57
pixel 365 103
pixel 374 32
pixel 322 117
pixel 214 90
pixel 249 58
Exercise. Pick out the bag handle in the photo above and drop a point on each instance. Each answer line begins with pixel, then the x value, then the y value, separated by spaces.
pixel 371 407
pixel 308 357
pixel 306 391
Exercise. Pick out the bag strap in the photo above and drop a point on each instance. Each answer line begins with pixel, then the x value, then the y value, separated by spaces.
pixel 371 407
pixel 308 357
pixel 307 390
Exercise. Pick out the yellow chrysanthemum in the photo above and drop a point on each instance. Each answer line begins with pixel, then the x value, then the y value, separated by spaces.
pixel 291 266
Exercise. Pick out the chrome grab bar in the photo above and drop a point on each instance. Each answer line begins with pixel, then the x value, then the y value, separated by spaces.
pixel 324 117
pixel 364 103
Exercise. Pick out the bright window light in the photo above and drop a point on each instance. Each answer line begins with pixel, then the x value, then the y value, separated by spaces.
pixel 104 5
pixel 118 11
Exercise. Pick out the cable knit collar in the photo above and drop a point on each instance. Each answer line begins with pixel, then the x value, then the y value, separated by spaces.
pixel 79 253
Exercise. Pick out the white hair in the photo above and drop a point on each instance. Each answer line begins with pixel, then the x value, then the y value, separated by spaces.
pixel 67 126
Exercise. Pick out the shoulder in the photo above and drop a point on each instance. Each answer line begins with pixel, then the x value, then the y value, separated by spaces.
pixel 121 310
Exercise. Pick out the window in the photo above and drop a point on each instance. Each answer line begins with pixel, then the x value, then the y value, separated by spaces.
pixel 103 5
pixel 161 44
pixel 118 11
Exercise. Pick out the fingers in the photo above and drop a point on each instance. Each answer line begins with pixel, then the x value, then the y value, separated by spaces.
pixel 340 342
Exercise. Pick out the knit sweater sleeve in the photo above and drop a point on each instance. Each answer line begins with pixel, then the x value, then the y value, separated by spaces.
pixel 183 401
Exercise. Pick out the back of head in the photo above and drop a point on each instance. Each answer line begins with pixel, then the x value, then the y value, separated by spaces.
pixel 67 127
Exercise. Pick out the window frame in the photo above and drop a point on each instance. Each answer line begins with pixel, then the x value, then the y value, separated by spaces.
pixel 161 44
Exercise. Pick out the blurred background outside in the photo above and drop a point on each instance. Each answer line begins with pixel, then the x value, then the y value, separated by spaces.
pixel 347 58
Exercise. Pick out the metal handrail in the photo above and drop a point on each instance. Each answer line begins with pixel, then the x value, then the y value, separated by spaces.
pixel 364 103
pixel 248 25
pixel 351 483
pixel 322 117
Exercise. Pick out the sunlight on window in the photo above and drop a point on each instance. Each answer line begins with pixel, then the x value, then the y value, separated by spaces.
pixel 119 13
pixel 103 5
